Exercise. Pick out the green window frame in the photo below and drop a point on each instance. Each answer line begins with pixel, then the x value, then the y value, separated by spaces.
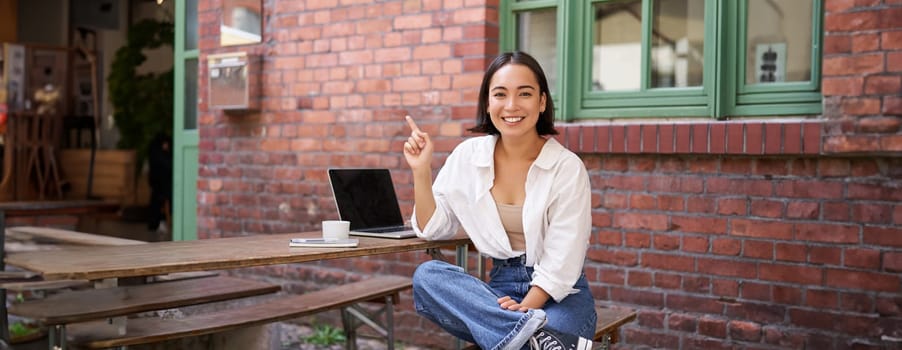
pixel 723 93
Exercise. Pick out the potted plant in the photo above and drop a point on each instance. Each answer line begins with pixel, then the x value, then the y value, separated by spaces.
pixel 142 102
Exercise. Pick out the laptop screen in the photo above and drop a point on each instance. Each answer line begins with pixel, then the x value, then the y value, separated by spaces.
pixel 365 197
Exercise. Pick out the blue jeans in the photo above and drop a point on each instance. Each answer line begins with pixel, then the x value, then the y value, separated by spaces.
pixel 468 308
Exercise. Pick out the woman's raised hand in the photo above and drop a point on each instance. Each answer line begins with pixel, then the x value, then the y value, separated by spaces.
pixel 418 147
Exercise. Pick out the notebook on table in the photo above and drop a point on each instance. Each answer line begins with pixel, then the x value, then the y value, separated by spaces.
pixel 366 198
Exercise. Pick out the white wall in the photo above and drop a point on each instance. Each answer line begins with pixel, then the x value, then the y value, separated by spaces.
pixel 161 59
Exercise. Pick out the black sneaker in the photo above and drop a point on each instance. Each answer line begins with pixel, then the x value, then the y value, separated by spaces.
pixel 547 339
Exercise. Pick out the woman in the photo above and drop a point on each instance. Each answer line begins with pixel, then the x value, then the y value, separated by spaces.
pixel 524 200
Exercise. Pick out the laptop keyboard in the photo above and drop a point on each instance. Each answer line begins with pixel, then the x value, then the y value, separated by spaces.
pixel 383 229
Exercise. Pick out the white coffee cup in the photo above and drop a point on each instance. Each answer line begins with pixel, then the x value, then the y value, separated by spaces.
pixel 336 229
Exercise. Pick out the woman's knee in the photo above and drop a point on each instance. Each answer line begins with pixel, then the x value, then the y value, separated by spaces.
pixel 425 268
pixel 433 267
pixel 426 272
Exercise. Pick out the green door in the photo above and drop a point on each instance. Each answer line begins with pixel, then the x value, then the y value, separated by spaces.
pixel 184 135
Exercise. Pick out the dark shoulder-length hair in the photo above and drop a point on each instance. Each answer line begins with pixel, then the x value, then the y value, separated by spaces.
pixel 545 126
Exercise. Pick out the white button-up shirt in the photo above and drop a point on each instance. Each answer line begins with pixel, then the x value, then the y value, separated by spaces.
pixel 556 214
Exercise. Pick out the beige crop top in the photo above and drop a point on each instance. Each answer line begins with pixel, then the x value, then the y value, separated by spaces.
pixel 512 220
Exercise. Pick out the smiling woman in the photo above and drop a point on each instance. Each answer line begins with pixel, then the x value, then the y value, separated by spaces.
pixel 516 104
pixel 535 79
pixel 538 293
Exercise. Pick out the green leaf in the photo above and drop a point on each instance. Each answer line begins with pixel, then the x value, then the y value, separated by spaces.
pixel 20 329
pixel 326 335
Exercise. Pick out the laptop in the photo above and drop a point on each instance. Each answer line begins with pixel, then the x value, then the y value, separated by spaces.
pixel 366 198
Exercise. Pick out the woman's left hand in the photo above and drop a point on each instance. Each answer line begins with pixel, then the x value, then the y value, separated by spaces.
pixel 534 299
pixel 509 303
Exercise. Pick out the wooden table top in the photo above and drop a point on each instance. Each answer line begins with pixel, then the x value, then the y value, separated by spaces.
pixel 159 258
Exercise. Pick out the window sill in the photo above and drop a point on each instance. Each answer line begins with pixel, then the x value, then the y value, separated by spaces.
pixel 741 137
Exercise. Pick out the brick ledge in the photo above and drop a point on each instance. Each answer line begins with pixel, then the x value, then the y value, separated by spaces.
pixel 728 137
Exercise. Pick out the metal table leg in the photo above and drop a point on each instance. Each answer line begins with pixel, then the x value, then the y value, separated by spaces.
pixel 461 256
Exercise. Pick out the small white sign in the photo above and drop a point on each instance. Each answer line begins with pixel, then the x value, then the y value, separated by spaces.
pixel 770 62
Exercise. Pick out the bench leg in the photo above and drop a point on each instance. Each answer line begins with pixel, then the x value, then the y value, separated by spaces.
pixel 350 330
pixel 56 337
pixel 390 322
pixel 353 317
pixel 604 343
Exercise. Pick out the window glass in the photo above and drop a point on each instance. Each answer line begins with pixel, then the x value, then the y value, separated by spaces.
pixel 191 25
pixel 679 58
pixel 246 19
pixel 190 94
pixel 241 22
pixel 617 46
pixel 677 53
pixel 537 36
pixel 778 41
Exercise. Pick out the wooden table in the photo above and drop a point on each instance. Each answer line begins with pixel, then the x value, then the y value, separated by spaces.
pixel 46 208
pixel 157 258
pixel 39 208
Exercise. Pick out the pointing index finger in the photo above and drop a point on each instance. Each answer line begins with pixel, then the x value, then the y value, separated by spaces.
pixel 412 124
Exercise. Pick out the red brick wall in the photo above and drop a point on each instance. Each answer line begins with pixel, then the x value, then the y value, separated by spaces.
pixel 861 76
pixel 338 78
pixel 722 251
pixel 755 234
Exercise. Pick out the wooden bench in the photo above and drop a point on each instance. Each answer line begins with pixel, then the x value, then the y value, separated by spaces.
pixel 37 287
pixel 34 286
pixel 150 330
pixel 59 310
pixel 607 327
pixel 91 304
